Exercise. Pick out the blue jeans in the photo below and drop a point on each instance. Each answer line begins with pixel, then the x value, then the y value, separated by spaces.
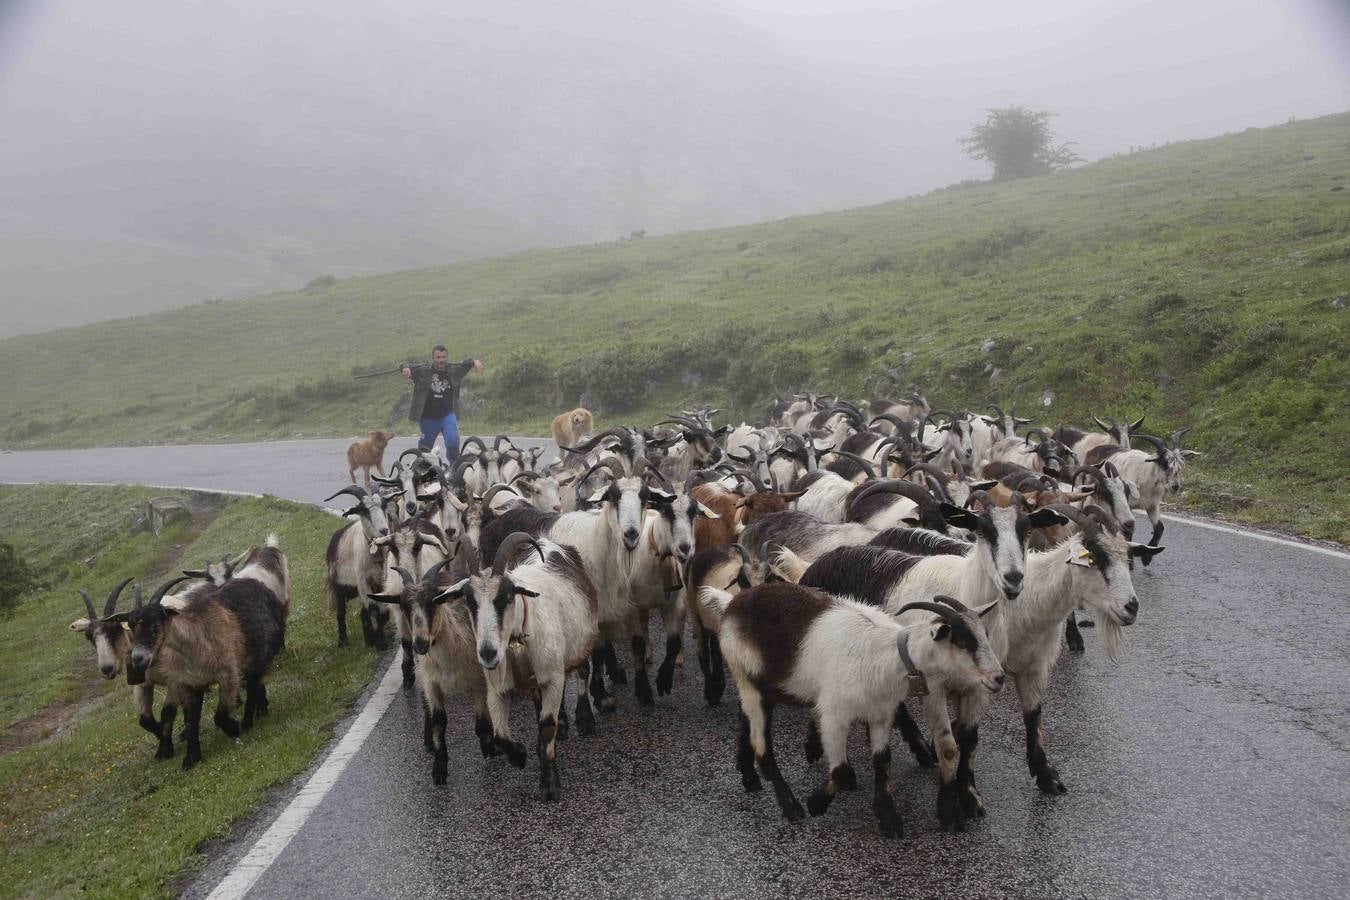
pixel 447 427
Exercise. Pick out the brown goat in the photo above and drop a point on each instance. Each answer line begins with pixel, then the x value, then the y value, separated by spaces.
pixel 571 428
pixel 734 512
pixel 367 454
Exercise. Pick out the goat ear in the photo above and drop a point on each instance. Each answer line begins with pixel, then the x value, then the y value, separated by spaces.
pixel 195 573
pixel 661 496
pixel 598 496
pixel 1187 454
pixel 911 521
pixel 742 503
pixel 932 454
pixel 1078 556
pixel 941 631
pixel 984 485
pixel 961 518
pixel 705 512
pixel 986 609
pixel 1137 551
pixel 1044 518
pixel 79 625
pixel 452 592
pixel 524 591
pixel 988 420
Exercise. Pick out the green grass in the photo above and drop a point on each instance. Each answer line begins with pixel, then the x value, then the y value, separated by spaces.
pixel 93 785
pixel 1193 282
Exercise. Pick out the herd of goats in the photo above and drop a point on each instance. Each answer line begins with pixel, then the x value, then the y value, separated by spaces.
pixel 841 558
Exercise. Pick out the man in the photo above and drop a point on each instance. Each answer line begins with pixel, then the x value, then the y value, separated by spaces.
pixel 435 401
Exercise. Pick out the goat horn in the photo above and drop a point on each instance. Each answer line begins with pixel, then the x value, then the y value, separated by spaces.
pixel 111 604
pixel 946 612
pixel 954 604
pixel 1100 424
pixel 497 444
pixel 494 491
pixel 89 605
pixel 1178 435
pixel 411 451
pixel 980 497
pixel 866 466
pixel 507 549
pixel 665 482
pixel 473 440
pixel 1158 443
pixel 408 579
pixel 909 489
pixel 354 490
pixel 429 576
pixel 163 589
pixel 1087 523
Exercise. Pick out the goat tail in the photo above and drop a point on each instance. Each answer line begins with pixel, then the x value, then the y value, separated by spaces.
pixel 273 541
pixel 714 603
pixel 789 565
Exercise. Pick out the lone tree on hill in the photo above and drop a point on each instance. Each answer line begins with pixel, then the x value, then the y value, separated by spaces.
pixel 1019 144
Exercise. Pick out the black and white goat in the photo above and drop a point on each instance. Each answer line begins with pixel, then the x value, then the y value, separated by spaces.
pixel 1155 475
pixel 354 566
pixel 535 622
pixel 847 662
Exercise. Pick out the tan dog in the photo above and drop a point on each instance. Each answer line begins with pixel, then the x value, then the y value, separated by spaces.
pixel 570 428
pixel 368 453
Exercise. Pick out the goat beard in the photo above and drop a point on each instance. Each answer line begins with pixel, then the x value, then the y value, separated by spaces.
pixel 1113 636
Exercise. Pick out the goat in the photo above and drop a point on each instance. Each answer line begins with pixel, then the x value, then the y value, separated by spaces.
pixel 889 503
pixel 1153 475
pixel 571 428
pixel 541 641
pixel 952 439
pixel 847 661
pixel 1047 455
pixel 112 645
pixel 354 568
pixel 1081 442
pixel 734 512
pixel 442 636
pixel 368 454
pixel 803 534
pixel 227 636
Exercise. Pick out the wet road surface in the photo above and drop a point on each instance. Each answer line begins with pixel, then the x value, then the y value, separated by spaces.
pixel 1213 760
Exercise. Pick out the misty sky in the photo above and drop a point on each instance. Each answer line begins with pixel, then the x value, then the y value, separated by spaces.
pixel 164 152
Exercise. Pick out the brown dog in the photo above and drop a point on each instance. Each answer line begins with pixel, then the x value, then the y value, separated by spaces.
pixel 368 453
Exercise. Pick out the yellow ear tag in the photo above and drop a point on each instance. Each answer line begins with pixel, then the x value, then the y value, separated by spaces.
pixel 1084 554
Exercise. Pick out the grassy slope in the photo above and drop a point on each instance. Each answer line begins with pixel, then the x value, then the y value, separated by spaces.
pixel 94 784
pixel 1193 282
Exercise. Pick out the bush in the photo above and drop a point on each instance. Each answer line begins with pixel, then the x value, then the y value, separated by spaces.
pixel 323 281
pixel 16 577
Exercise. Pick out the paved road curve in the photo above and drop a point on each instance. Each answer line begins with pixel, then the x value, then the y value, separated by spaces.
pixel 1212 761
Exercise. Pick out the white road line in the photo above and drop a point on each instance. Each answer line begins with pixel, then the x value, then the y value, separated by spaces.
pixel 1258 536
pixel 248 870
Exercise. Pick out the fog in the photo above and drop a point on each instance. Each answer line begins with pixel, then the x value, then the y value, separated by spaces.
pixel 165 152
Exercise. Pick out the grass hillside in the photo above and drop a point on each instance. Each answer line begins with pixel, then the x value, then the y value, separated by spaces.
pixel 76 771
pixel 1197 283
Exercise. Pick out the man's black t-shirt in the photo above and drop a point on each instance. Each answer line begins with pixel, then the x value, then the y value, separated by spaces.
pixel 441 400
pixel 443 389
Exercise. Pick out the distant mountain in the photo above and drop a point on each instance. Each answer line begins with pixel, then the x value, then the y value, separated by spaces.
pixel 252 154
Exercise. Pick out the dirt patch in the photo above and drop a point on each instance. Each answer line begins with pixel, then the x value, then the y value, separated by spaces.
pixel 52 719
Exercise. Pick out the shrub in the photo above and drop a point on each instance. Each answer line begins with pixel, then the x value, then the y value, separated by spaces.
pixel 323 281
pixel 16 577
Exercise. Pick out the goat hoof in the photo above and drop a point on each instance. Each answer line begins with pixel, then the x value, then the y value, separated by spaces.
pixel 516 755
pixel 950 815
pixel 1087 623
pixel 971 802
pixel 190 760
pixel 440 770
pixel 1048 781
pixel 924 755
pixel 549 793
pixel 618 676
pixel 642 689
pixel 1076 645
pixel 814 750
pixel 752 784
pixel 665 680
pixel 794 813
pixel 564 730
pixel 818 802
pixel 891 830
pixel 845 778
pixel 164 751
pixel 227 724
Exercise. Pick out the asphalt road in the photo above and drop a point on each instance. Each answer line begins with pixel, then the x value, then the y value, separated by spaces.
pixel 1211 761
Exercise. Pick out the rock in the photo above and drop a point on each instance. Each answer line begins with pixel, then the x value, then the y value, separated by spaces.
pixel 184 428
pixel 1339 303
pixel 906 358
pixel 988 345
pixel 1047 398
pixel 995 374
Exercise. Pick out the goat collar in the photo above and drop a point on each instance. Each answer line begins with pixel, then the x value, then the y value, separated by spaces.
pixel 918 685
pixel 523 635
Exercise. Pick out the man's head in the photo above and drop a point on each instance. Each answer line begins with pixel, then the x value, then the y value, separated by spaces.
pixel 439 355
